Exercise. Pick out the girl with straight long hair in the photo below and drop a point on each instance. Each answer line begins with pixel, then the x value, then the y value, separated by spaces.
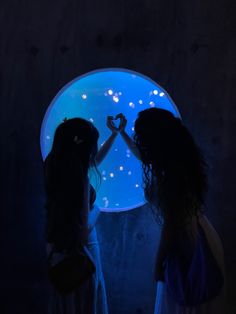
pixel 72 213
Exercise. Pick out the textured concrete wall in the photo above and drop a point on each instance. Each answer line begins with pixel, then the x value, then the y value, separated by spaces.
pixel 129 241
pixel 188 47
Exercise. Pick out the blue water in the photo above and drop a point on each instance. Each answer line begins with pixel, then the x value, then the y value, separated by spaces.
pixel 94 96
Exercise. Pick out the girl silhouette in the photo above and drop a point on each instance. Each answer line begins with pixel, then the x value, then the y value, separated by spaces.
pixel 71 212
pixel 189 262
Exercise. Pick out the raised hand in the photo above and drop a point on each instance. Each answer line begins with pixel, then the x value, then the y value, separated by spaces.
pixel 123 122
pixel 111 124
pixel 121 129
pixel 106 146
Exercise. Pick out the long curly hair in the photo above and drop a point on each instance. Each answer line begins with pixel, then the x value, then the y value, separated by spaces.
pixel 174 170
pixel 66 171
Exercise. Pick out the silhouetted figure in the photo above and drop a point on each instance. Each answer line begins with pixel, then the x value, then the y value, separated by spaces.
pixel 190 262
pixel 71 213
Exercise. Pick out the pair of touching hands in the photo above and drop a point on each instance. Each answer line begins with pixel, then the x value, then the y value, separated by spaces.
pixel 121 129
pixel 104 149
pixel 111 123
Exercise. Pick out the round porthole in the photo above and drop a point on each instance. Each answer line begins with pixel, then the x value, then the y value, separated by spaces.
pixel 94 96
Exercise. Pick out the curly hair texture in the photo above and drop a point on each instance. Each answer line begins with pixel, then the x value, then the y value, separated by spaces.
pixel 66 171
pixel 174 170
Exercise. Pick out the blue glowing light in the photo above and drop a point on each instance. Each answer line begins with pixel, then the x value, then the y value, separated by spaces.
pixel 94 96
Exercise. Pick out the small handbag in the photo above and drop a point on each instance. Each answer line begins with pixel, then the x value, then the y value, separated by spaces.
pixel 199 282
pixel 71 272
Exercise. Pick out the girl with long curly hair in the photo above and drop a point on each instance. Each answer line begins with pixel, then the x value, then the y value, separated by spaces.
pixel 189 263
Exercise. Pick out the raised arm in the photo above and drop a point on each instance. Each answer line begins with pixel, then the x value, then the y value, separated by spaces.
pixel 130 143
pixel 93 217
pixel 128 140
pixel 103 151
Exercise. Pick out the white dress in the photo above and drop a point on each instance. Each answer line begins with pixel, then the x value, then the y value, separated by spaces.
pixel 89 298
pixel 100 297
pixel 164 302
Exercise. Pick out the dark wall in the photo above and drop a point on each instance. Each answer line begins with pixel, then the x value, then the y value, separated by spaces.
pixel 129 241
pixel 188 47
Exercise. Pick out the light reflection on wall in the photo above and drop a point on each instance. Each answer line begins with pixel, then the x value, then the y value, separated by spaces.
pixel 94 96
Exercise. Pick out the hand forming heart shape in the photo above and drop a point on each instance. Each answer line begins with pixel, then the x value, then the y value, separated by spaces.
pixel 117 118
pixel 116 127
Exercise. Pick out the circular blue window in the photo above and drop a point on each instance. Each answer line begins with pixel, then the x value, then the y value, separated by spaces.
pixel 94 96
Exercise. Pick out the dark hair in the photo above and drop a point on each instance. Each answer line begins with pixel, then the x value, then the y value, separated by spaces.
pixel 66 170
pixel 174 170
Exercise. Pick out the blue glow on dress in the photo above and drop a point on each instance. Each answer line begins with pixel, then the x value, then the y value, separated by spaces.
pixel 94 96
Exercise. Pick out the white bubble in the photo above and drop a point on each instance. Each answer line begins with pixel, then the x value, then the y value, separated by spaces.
pixel 115 99
pixel 121 168
pixel 127 151
pixel 48 137
pixel 112 175
pixel 136 185
pixel 117 204
pixel 120 93
pixel 152 104
pixel 132 105
pixel 84 96
pixel 129 173
pixel 128 155
pixel 116 149
pixel 140 101
pixel 132 129
pixel 104 178
pixel 106 202
pixel 91 120
pixel 162 94
pixel 110 92
pixel 155 92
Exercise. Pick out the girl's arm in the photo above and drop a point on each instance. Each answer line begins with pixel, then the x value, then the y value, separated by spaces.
pixel 93 217
pixel 103 151
pixel 130 143
pixel 128 140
